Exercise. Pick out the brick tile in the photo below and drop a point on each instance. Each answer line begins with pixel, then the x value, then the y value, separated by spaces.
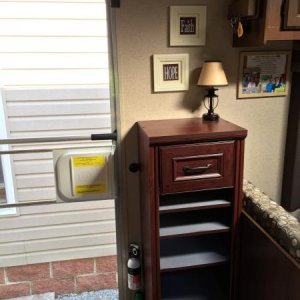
pixel 106 264
pixel 71 268
pixel 28 272
pixel 95 282
pixel 59 286
pixel 14 290
pixel 2 279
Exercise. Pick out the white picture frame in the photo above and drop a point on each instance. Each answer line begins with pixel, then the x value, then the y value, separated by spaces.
pixel 187 25
pixel 171 72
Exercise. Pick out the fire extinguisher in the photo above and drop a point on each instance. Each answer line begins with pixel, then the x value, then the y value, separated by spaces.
pixel 134 268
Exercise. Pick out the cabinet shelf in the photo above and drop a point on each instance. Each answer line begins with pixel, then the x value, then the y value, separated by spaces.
pixel 194 201
pixel 210 221
pixel 192 260
pixel 187 253
pixel 195 285
pixel 194 206
pixel 192 229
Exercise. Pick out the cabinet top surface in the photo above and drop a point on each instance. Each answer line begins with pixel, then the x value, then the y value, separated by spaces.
pixel 180 130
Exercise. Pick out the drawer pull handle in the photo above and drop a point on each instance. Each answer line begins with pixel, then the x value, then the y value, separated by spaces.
pixel 188 170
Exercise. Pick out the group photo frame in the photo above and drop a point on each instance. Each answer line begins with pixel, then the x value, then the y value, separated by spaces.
pixel 170 72
pixel 187 25
pixel 263 74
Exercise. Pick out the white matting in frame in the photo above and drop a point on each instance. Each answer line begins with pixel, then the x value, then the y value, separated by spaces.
pixel 187 25
pixel 171 72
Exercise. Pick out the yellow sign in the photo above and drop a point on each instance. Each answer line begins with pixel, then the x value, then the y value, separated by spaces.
pixel 89 174
pixel 88 161
pixel 84 189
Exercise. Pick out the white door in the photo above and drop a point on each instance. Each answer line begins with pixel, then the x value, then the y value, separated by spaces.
pixel 55 85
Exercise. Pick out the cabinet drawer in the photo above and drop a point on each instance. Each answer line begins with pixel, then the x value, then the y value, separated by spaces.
pixel 196 166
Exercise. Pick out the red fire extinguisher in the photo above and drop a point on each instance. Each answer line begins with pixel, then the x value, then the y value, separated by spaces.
pixel 134 268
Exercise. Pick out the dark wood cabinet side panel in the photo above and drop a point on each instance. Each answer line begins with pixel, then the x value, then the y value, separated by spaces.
pixel 266 272
pixel 149 213
pixel 238 196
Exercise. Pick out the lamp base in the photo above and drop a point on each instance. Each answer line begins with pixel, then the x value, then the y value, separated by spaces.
pixel 210 117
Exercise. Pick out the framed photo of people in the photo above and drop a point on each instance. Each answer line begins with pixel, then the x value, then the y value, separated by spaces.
pixel 264 74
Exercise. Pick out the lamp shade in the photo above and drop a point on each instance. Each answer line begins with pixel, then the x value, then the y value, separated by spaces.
pixel 212 74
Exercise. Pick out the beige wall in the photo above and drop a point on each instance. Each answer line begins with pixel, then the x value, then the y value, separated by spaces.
pixel 142 30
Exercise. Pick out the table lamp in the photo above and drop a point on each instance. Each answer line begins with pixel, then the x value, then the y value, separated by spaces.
pixel 212 75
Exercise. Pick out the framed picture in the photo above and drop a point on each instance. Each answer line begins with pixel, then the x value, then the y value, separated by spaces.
pixel 264 74
pixel 187 25
pixel 170 72
pixel 291 15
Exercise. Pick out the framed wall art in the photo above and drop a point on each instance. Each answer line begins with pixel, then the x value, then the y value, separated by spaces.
pixel 264 74
pixel 187 25
pixel 170 72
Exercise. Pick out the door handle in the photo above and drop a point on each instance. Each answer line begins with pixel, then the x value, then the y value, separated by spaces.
pixel 188 170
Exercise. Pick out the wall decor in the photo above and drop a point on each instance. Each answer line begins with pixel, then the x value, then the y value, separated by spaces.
pixel 264 74
pixel 187 25
pixel 291 20
pixel 170 72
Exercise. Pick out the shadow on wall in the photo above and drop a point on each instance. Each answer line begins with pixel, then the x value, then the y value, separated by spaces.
pixel 193 98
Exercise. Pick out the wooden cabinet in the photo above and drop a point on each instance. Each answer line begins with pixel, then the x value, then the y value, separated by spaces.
pixel 266 20
pixel 291 15
pixel 191 188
